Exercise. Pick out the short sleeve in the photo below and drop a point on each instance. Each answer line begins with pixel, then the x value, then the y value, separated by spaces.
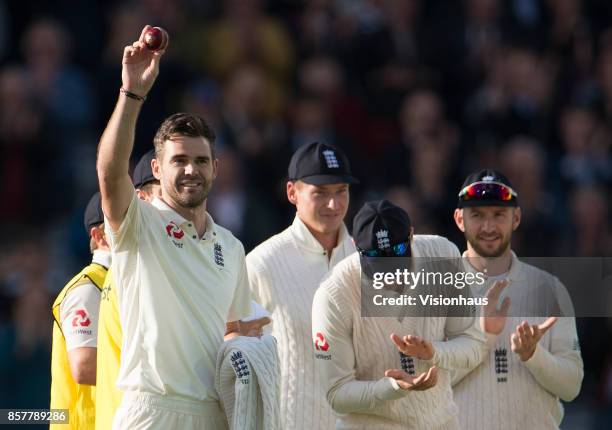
pixel 241 302
pixel 127 235
pixel 79 314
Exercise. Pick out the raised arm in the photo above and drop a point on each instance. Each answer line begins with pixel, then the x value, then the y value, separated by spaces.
pixel 140 69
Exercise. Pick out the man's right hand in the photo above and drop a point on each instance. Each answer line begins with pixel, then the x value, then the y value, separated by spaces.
pixel 422 382
pixel 140 66
pixel 494 320
pixel 414 346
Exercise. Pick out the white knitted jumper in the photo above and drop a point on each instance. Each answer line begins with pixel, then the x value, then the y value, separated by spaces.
pixel 247 382
pixel 356 351
pixel 284 273
pixel 506 393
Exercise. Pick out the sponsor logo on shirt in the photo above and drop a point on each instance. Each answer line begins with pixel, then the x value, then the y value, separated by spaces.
pixel 174 230
pixel 241 368
pixel 175 233
pixel 81 319
pixel 105 293
pixel 320 342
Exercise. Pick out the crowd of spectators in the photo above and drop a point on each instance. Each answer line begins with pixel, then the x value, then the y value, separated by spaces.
pixel 418 93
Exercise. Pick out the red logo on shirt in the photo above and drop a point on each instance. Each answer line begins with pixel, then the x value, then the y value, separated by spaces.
pixel 81 319
pixel 174 230
pixel 320 342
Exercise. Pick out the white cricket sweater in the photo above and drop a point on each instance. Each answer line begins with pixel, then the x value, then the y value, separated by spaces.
pixel 247 382
pixel 507 394
pixel 284 273
pixel 355 352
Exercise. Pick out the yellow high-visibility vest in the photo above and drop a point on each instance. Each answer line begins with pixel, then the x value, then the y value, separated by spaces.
pixel 110 335
pixel 65 392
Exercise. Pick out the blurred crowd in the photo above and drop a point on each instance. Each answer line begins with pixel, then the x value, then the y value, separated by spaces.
pixel 418 93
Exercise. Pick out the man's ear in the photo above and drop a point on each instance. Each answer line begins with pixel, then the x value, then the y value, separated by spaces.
pixel 156 168
pixel 97 234
pixel 292 192
pixel 516 218
pixel 458 216
pixel 215 168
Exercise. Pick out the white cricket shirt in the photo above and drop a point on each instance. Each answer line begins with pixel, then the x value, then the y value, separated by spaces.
pixel 175 293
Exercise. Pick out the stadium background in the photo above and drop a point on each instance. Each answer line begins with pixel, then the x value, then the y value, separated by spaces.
pixel 419 93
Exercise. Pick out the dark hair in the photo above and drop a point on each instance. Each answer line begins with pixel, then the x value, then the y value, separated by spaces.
pixel 184 124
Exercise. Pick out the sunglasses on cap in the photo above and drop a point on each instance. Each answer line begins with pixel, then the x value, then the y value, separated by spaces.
pixel 399 250
pixel 487 191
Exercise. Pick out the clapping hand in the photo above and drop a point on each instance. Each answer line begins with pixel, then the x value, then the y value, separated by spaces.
pixel 526 337
pixel 494 320
pixel 421 382
pixel 414 346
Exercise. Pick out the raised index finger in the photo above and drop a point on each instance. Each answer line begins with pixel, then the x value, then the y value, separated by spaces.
pixel 550 321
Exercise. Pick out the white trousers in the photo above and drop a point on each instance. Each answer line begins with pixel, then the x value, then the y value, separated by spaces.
pixel 140 411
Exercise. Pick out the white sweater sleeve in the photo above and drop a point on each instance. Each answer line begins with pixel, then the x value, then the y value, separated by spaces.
pixel 464 347
pixel 560 369
pixel 335 359
pixel 458 374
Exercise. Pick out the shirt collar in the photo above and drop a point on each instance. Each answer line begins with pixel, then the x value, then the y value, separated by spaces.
pixel 515 272
pixel 103 258
pixel 306 240
pixel 211 227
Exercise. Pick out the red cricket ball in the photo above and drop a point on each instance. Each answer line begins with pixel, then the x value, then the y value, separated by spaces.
pixel 156 38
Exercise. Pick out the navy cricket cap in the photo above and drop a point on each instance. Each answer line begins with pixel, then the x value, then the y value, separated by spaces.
pixel 142 172
pixel 487 187
pixel 319 164
pixel 380 225
pixel 93 213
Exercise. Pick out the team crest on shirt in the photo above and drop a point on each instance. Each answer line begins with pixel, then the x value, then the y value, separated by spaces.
pixel 407 363
pixel 241 368
pixel 175 233
pixel 218 251
pixel 501 364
